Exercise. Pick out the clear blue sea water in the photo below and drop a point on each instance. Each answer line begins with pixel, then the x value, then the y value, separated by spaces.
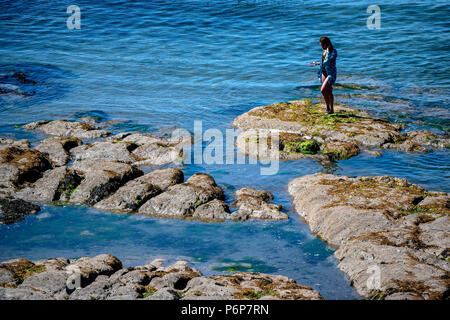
pixel 165 63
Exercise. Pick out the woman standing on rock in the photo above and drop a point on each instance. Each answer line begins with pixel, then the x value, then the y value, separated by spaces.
pixel 327 71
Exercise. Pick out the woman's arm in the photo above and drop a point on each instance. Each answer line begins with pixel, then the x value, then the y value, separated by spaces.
pixel 329 63
pixel 330 56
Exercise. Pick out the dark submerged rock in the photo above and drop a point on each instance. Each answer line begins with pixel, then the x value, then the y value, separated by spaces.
pixel 21 77
pixel 13 210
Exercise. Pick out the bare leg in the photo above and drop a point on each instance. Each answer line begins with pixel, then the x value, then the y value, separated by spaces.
pixel 325 97
pixel 331 99
pixel 324 90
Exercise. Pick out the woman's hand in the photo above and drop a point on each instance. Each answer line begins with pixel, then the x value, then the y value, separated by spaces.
pixel 314 63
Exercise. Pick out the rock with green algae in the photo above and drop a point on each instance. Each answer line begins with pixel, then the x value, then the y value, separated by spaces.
pixel 117 186
pixel 349 129
pixel 56 184
pixel 13 210
pixel 54 278
pixel 101 179
pixel 20 164
pixel 384 225
pixel 305 147
pixel 106 174
pixel 340 150
pixel 103 278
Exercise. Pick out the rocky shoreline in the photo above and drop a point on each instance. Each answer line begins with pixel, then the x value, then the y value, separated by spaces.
pixel 381 226
pixel 306 131
pixel 107 174
pixel 392 236
pixel 103 278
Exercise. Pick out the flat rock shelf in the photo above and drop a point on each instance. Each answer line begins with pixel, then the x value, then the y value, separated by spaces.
pixel 381 224
pixel 103 278
pixel 106 174
pixel 306 131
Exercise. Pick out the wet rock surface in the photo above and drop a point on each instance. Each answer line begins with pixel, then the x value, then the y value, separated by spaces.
pixel 103 278
pixel 17 84
pixel 20 164
pixel 306 131
pixel 24 143
pixel 181 200
pixel 200 198
pixel 215 210
pixel 151 150
pixel 101 179
pixel 253 204
pixel 64 128
pixel 56 184
pixel 134 193
pixel 134 148
pixel 58 149
pixel 142 149
pixel 104 150
pixel 106 174
pixel 392 236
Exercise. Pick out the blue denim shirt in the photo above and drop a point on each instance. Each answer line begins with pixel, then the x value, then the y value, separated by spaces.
pixel 329 63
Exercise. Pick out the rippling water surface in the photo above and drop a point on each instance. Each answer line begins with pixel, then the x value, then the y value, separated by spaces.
pixel 165 63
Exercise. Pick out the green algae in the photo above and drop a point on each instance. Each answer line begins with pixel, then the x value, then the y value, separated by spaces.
pixel 67 190
pixel 255 295
pixel 305 147
pixel 339 155
pixel 149 291
pixel 307 114
pixel 28 272
pixel 243 265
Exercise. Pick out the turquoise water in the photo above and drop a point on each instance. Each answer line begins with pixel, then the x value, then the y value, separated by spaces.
pixel 160 64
